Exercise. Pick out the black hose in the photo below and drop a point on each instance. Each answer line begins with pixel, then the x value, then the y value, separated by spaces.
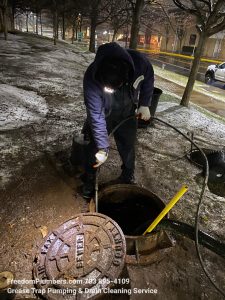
pixel 199 204
pixel 205 239
pixel 187 230
pixel 121 123
pixel 205 181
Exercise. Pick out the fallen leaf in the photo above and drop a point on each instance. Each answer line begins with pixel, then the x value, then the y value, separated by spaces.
pixel 92 206
pixel 44 231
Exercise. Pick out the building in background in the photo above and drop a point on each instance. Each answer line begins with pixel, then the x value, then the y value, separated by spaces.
pixel 182 37
pixel 215 46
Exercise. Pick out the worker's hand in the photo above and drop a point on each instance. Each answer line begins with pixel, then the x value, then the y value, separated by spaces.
pixel 101 157
pixel 143 113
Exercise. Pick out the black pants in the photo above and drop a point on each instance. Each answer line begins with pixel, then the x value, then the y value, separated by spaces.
pixel 125 138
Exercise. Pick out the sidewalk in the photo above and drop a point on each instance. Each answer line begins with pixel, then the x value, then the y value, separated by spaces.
pixel 208 97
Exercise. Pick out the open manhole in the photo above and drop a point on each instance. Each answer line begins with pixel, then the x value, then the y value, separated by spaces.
pixel 134 208
pixel 216 160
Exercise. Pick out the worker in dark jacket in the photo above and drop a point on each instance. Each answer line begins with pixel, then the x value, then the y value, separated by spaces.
pixel 118 82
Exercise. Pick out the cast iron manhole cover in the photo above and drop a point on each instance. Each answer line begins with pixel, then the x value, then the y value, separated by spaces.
pixel 80 258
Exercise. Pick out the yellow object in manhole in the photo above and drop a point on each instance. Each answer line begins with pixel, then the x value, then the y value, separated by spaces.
pixel 168 207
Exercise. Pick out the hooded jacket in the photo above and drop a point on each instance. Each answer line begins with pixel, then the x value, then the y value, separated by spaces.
pixel 141 83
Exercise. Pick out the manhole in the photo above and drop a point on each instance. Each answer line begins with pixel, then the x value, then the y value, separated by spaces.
pixel 216 160
pixel 81 257
pixel 134 208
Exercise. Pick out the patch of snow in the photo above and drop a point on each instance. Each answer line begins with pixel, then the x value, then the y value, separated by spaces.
pixel 190 119
pixel 56 73
pixel 20 107
pixel 47 69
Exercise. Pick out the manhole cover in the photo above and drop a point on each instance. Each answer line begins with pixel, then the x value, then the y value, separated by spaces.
pixel 80 258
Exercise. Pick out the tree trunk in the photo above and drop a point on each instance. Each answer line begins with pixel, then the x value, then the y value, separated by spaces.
pixel 76 33
pixel 92 33
pixel 73 33
pixel 92 39
pixel 33 24
pixel 167 42
pixel 63 27
pixel 194 70
pixel 94 20
pixel 27 15
pixel 81 21
pixel 13 15
pixel 114 35
pixel 41 23
pixel 37 21
pixel 180 45
pixel 150 39
pixel 4 16
pixel 127 36
pixel 55 27
pixel 136 24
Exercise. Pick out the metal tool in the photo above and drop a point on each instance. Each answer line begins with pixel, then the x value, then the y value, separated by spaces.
pixel 96 189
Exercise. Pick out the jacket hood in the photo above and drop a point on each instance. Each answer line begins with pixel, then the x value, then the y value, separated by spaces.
pixel 113 50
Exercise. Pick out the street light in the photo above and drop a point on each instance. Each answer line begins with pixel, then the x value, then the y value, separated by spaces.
pixel 107 32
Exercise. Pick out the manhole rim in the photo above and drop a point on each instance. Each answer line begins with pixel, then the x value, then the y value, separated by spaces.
pixel 132 187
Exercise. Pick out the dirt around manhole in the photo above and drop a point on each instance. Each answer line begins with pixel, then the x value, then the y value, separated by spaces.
pixel 46 197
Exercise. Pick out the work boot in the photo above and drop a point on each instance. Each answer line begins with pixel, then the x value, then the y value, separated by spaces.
pixel 126 177
pixel 88 188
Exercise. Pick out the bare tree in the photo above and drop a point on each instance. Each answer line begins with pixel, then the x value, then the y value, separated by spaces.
pixel 137 8
pixel 66 16
pixel 75 22
pixel 31 9
pixel 100 11
pixel 154 20
pixel 182 21
pixel 121 18
pixel 54 6
pixel 166 21
pixel 174 21
pixel 55 20
pixel 35 6
pixel 12 4
pixel 3 15
pixel 143 13
pixel 94 16
pixel 167 33
pixel 210 16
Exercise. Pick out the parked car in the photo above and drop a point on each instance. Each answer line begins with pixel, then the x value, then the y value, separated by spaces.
pixel 215 73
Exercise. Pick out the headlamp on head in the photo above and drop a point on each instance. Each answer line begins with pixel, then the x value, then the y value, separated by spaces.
pixel 112 73
pixel 109 90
